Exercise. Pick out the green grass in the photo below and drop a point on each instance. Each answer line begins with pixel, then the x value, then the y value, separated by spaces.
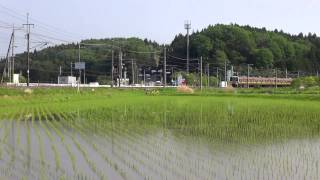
pixel 130 119
pixel 239 115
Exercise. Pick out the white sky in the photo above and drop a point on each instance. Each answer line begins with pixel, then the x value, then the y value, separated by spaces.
pixel 158 20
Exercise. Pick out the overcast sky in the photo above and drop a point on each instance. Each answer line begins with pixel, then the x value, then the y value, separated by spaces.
pixel 159 20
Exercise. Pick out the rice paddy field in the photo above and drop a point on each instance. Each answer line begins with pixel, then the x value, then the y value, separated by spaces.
pixel 128 134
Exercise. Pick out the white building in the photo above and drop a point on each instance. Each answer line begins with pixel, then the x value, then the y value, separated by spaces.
pixel 67 80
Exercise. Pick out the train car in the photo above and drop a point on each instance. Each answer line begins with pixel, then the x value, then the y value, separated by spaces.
pixel 244 81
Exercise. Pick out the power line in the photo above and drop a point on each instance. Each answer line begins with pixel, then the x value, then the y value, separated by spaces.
pixel 52 38
pixel 175 57
pixel 40 24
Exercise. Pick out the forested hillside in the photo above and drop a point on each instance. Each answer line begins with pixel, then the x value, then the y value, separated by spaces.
pixel 97 54
pixel 247 45
pixel 238 45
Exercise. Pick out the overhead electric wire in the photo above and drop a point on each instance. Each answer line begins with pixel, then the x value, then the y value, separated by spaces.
pixel 52 38
pixel 40 24
pixel 181 58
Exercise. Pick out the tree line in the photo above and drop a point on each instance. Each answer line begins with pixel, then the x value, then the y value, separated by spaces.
pixel 217 44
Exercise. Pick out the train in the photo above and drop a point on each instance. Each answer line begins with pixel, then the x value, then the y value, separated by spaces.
pixel 244 81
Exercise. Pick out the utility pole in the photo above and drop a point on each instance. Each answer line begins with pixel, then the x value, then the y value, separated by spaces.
pixel 172 76
pixel 6 70
pixel 84 75
pixel 112 61
pixel 276 78
pixel 208 76
pixel 28 48
pixel 71 69
pixel 165 67
pixel 137 72
pixel 120 67
pixel 201 73
pixel 12 54
pixel 217 76
pixel 125 76
pixel 79 59
pixel 144 76
pixel 59 75
pixel 248 75
pixel 132 71
pixel 187 26
pixel 225 72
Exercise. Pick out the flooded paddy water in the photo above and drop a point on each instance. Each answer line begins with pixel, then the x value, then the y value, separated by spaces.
pixel 141 143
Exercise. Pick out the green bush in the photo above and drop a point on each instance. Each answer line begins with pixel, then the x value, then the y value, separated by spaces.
pixel 307 82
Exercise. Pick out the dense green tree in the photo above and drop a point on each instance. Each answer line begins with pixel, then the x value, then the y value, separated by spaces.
pixel 263 58
pixel 221 57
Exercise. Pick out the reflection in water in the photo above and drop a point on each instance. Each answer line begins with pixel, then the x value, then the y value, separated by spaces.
pixel 78 146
